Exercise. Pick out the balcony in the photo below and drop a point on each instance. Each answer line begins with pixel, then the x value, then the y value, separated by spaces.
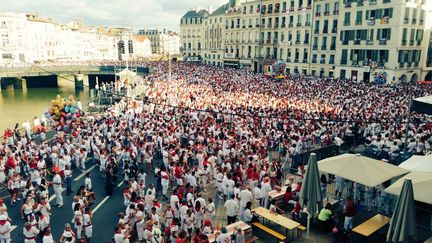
pixel 357 41
pixel 369 42
pixel 291 9
pixel 325 30
pixel 290 25
pixel 299 24
pixel 297 42
pixel 315 47
pixel 347 5
pixel 371 21
pixel 411 43
pixel 373 2
pixel 414 21
pixel 404 42
pixel 406 21
pixel 296 60
pixel 316 31
pixel 421 21
pixel 358 22
pixel 323 47
pixel 238 26
pixel 276 25
pixel 288 59
pixel 244 26
pixel 307 24
pixel 257 25
pixel 419 42
pixel 322 61
pixel 332 47
pixel 359 3
pixel 250 26
pixel 306 42
pixel 269 25
pixel 314 61
pixel 334 30
pixel 383 42
pixel 355 63
pixel 335 12
pixel 345 42
pixel 305 61
pixel 331 62
pixel 326 13
pixel 282 25
pixel 346 23
pixel 309 6
pixel 317 14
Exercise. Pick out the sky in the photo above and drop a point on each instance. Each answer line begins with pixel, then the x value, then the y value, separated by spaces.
pixel 135 14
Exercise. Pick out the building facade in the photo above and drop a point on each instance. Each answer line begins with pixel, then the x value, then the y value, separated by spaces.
pixel 163 41
pixel 191 34
pixel 374 40
pixel 28 38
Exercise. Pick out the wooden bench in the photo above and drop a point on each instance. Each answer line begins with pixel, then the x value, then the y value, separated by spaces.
pixel 279 236
pixel 252 240
pixel 300 229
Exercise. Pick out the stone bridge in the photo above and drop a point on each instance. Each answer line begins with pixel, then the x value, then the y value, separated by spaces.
pixel 21 76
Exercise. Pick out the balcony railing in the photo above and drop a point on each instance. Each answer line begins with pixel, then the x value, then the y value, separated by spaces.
pixel 335 12
pixel 332 47
pixel 369 42
pixel 383 42
pixel 334 30
pixel 356 41
pixel 314 47
pixel 326 13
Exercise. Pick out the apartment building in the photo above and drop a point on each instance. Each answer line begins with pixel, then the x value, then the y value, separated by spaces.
pixel 356 39
pixel 191 35
pixel 163 41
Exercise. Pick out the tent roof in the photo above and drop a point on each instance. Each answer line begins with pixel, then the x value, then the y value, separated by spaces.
pixel 422 105
pixel 360 169
pixel 422 184
pixel 418 163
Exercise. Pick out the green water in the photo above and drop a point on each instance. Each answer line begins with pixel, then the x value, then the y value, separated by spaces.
pixel 19 105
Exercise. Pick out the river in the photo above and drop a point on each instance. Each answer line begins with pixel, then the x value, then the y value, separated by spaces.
pixel 19 105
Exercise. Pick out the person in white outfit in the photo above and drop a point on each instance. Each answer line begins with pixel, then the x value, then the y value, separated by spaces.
pixel 57 185
pixel 5 229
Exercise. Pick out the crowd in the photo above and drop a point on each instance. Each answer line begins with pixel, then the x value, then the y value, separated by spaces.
pixel 202 125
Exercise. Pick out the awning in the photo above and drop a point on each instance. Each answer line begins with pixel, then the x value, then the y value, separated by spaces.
pixel 422 105
pixel 418 163
pixel 360 169
pixel 422 184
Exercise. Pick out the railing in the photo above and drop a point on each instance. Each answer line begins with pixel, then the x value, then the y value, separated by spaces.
pixel 321 153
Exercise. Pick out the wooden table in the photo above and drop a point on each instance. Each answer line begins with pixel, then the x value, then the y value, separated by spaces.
pixel 330 201
pixel 281 220
pixel 372 225
pixel 232 228
pixel 278 196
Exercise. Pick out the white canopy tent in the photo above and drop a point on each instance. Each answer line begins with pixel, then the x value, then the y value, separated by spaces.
pixel 422 105
pixel 422 184
pixel 127 74
pixel 360 169
pixel 418 163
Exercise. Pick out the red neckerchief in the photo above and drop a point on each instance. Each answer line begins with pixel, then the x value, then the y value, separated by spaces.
pixel 3 222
